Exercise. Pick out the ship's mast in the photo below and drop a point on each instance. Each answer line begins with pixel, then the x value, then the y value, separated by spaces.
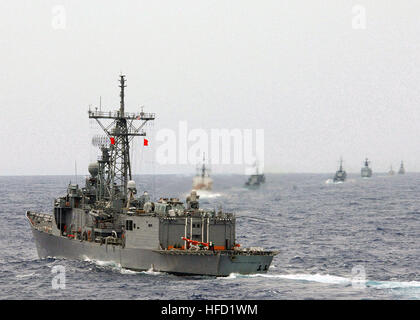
pixel 120 153
pixel 120 132
pixel 203 168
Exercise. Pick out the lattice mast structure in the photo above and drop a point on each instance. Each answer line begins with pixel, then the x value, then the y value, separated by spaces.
pixel 120 131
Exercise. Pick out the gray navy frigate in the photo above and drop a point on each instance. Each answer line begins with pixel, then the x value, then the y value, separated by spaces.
pixel 256 179
pixel 366 171
pixel 340 174
pixel 107 221
pixel 202 180
pixel 401 170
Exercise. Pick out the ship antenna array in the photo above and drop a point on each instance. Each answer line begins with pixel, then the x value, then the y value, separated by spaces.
pixel 120 130
pixel 75 170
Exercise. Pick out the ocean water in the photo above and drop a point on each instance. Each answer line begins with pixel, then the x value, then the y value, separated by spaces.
pixel 353 240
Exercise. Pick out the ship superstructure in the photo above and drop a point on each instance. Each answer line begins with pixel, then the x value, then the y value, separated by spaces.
pixel 366 171
pixel 202 180
pixel 402 169
pixel 340 175
pixel 107 220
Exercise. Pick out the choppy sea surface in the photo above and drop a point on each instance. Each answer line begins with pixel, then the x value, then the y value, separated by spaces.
pixel 353 240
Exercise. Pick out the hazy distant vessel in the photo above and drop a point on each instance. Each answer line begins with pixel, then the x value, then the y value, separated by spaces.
pixel 202 180
pixel 402 170
pixel 340 175
pixel 366 171
pixel 391 172
pixel 256 179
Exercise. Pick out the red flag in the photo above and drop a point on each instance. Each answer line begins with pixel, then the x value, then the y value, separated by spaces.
pixel 146 142
pixel 112 140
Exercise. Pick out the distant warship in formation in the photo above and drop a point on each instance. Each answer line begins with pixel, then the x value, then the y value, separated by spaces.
pixel 202 180
pixel 340 175
pixel 402 170
pixel 366 171
pixel 106 221
pixel 391 172
pixel 256 179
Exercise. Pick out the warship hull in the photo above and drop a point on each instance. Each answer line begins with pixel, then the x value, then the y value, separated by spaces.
pixel 340 176
pixel 366 173
pixel 255 180
pixel 212 263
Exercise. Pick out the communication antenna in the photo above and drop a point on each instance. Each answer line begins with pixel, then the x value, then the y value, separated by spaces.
pixel 75 170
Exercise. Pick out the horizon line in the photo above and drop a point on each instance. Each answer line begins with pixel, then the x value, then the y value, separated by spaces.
pixel 191 174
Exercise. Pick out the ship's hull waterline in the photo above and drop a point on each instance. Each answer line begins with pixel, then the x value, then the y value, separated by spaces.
pixel 170 261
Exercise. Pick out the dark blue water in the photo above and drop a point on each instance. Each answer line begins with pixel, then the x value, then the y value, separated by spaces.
pixel 325 233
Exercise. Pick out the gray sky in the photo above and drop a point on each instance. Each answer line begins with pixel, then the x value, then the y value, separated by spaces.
pixel 297 69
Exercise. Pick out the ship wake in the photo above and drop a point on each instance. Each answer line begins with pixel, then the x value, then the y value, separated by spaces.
pixel 116 267
pixel 413 287
pixel 204 194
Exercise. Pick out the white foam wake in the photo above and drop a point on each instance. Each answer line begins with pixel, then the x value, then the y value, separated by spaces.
pixel 118 268
pixel 151 272
pixel 393 284
pixel 110 264
pixel 331 181
pixel 19 276
pixel 101 263
pixel 128 271
pixel 299 277
pixel 331 279
pixel 204 194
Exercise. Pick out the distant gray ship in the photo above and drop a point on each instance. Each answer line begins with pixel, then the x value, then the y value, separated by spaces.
pixel 402 169
pixel 340 175
pixel 202 180
pixel 366 171
pixel 106 221
pixel 256 179
pixel 391 172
